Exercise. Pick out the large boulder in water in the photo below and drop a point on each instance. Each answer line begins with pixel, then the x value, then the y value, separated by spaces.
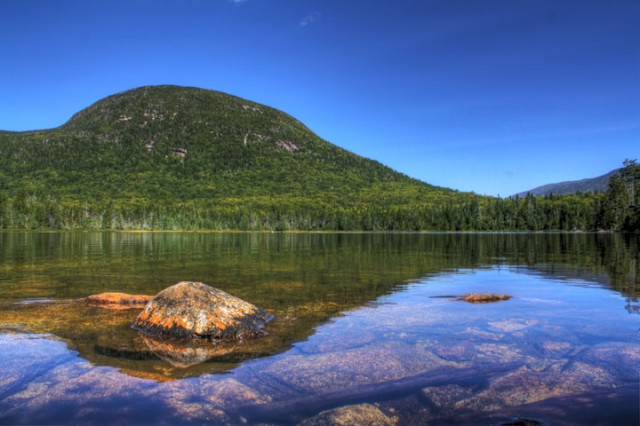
pixel 196 310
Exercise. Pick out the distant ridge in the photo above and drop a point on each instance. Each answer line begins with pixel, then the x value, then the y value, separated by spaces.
pixel 596 184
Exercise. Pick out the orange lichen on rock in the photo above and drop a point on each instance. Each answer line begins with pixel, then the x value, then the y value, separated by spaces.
pixel 221 325
pixel 118 300
pixel 484 297
pixel 196 310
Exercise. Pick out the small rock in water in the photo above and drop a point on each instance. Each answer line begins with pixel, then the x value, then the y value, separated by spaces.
pixel 484 297
pixel 198 311
pixel 362 414
pixel 118 300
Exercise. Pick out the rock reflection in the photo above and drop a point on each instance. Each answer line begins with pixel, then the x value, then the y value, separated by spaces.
pixel 185 354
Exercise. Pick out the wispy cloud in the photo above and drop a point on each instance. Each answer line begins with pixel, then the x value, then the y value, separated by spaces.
pixel 310 19
pixel 237 1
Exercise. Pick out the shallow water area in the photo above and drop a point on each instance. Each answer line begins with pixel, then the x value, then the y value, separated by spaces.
pixel 367 327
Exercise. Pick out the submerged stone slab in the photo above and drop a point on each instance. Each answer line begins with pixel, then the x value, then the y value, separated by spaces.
pixel 197 311
pixel 484 297
pixel 118 300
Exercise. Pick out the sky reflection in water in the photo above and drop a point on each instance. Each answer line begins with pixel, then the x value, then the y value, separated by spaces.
pixel 562 350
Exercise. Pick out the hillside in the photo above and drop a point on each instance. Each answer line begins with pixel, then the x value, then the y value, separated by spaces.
pixel 168 151
pixel 183 143
pixel 597 184
pixel 168 157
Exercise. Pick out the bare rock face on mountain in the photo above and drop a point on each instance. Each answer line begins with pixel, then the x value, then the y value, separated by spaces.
pixel 197 311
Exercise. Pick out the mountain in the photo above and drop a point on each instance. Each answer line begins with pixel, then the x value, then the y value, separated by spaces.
pixel 196 158
pixel 597 184
pixel 174 158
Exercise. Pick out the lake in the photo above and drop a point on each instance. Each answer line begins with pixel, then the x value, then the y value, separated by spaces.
pixel 368 328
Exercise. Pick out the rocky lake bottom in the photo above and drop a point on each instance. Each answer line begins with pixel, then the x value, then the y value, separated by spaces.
pixel 564 350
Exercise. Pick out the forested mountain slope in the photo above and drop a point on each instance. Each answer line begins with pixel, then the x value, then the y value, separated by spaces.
pixel 175 143
pixel 169 157
pixel 179 150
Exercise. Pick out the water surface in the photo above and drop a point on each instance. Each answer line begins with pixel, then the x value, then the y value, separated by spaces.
pixel 360 319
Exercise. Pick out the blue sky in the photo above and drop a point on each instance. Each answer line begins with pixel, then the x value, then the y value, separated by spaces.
pixel 489 96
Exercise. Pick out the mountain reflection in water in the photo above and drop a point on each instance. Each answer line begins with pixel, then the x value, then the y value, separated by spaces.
pixel 359 319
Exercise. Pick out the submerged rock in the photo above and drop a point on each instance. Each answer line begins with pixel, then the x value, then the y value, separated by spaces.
pixel 362 414
pixel 118 300
pixel 513 324
pixel 197 311
pixel 484 297
pixel 519 421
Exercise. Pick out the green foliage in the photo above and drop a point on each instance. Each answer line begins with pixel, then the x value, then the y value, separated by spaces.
pixel 620 209
pixel 171 157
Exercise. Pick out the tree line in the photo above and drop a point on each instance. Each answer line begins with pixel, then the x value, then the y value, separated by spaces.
pixel 617 209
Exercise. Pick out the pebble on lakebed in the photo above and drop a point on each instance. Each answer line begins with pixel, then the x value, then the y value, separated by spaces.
pixel 195 310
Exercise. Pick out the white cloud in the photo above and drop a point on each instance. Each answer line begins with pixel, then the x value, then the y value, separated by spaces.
pixel 310 19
